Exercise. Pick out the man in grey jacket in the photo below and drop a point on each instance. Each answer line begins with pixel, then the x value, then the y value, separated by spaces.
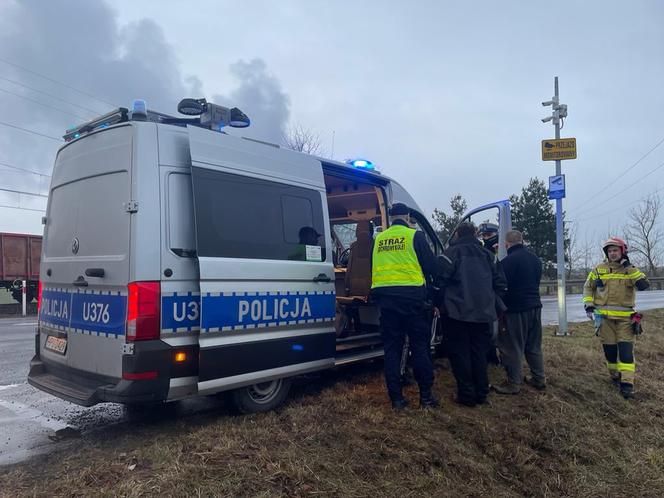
pixel 469 302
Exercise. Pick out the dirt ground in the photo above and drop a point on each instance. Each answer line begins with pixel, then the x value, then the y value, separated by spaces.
pixel 337 436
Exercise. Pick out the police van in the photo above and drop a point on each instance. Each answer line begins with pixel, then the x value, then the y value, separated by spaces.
pixel 179 260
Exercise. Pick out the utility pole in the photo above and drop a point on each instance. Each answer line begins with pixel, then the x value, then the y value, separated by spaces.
pixel 559 113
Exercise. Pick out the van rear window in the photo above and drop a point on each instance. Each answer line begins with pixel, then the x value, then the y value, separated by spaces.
pixel 242 217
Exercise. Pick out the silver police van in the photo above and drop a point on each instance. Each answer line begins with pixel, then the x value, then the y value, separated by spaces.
pixel 179 260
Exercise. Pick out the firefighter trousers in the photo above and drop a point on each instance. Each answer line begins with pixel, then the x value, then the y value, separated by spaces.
pixel 618 344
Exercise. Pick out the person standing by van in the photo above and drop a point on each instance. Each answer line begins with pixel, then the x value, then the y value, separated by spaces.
pixel 523 332
pixel 469 302
pixel 402 264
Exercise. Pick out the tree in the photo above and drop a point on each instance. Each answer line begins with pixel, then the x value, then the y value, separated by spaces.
pixel 643 232
pixel 302 139
pixel 576 256
pixel 533 215
pixel 446 223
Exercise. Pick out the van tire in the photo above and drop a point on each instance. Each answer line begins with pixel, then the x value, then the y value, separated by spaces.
pixel 261 397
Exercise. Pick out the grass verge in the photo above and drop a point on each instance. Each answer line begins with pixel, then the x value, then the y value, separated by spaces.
pixel 338 437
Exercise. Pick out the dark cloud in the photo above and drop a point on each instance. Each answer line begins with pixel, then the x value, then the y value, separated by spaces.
pixel 81 43
pixel 261 97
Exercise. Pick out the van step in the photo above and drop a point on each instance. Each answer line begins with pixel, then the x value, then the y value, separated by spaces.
pixel 367 355
pixel 63 388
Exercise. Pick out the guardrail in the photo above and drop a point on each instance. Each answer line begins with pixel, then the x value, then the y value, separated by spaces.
pixel 575 286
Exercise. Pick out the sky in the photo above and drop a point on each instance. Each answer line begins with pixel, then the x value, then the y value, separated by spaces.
pixel 445 97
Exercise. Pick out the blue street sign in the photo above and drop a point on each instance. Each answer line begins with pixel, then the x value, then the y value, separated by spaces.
pixel 557 187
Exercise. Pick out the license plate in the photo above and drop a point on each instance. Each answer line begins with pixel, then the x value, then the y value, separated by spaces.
pixel 56 344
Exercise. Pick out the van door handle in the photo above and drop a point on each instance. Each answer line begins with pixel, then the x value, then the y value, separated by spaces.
pixel 322 277
pixel 80 282
pixel 95 272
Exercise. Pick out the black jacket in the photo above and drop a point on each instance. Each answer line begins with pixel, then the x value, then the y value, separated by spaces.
pixel 523 271
pixel 473 283
pixel 386 296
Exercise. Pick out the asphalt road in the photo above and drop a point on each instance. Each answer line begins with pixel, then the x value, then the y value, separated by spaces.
pixel 33 422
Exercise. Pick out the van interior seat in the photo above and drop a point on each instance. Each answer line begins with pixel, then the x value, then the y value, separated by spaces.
pixel 358 273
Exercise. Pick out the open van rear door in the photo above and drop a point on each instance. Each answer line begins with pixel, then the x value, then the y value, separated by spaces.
pixel 264 251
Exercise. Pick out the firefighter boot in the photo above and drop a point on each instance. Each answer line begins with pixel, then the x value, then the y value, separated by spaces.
pixel 615 378
pixel 627 390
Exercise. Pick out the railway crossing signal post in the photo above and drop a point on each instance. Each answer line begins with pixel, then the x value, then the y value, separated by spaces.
pixel 557 150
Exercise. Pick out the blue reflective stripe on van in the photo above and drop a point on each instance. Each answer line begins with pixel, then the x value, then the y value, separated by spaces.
pixel 99 313
pixel 180 312
pixel 250 310
pixel 55 307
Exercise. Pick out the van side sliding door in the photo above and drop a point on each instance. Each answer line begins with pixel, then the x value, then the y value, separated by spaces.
pixel 266 273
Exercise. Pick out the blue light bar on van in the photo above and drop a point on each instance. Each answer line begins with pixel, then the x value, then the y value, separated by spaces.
pixel 119 115
pixel 361 164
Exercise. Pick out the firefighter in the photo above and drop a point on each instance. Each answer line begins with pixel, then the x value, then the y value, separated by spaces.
pixel 402 264
pixel 608 298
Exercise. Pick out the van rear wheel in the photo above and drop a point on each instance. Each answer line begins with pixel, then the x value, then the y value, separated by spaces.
pixel 261 397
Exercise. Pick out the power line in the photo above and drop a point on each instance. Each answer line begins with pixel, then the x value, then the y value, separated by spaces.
pixel 42 104
pixel 23 192
pixel 30 131
pixel 24 169
pixel 49 95
pixel 622 206
pixel 56 81
pixel 586 211
pixel 22 208
pixel 612 182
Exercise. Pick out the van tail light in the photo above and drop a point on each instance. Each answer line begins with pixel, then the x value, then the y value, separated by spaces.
pixel 143 311
pixel 39 291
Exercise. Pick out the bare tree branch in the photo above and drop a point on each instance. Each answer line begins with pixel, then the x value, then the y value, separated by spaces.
pixel 644 233
pixel 303 139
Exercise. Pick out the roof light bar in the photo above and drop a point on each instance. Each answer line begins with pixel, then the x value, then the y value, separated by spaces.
pixel 119 115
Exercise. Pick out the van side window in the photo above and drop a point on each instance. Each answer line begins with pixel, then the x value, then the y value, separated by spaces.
pixel 242 217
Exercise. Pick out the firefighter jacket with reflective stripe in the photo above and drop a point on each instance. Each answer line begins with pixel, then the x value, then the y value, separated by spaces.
pixel 611 289
pixel 394 261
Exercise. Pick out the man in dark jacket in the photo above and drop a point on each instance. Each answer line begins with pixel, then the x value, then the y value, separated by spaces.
pixel 402 264
pixel 523 323
pixel 469 302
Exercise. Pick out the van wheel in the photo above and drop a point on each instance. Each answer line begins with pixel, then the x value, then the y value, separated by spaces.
pixel 261 397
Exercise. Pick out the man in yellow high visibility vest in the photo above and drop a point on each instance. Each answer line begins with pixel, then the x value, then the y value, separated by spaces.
pixel 608 297
pixel 402 264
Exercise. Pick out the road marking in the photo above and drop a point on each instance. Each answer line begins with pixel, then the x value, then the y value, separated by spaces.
pixel 9 386
pixel 24 412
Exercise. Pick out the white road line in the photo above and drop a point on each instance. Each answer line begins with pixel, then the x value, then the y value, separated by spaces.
pixel 24 412
pixel 9 386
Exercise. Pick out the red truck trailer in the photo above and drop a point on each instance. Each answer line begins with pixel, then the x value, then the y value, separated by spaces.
pixel 19 260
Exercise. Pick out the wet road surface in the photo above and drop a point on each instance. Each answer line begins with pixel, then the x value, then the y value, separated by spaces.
pixel 33 422
pixel 644 301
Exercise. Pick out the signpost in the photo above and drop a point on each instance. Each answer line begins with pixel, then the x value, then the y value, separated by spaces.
pixel 557 150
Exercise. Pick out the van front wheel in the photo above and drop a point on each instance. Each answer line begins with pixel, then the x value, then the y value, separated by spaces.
pixel 261 397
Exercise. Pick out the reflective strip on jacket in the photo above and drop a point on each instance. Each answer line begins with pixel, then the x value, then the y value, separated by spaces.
pixel 394 261
pixel 615 296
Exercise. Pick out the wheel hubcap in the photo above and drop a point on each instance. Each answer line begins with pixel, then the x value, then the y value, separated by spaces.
pixel 265 391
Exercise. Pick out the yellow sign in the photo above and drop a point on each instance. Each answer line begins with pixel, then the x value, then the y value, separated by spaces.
pixel 560 149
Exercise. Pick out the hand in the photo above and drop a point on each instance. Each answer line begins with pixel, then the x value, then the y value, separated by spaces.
pixel 436 311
